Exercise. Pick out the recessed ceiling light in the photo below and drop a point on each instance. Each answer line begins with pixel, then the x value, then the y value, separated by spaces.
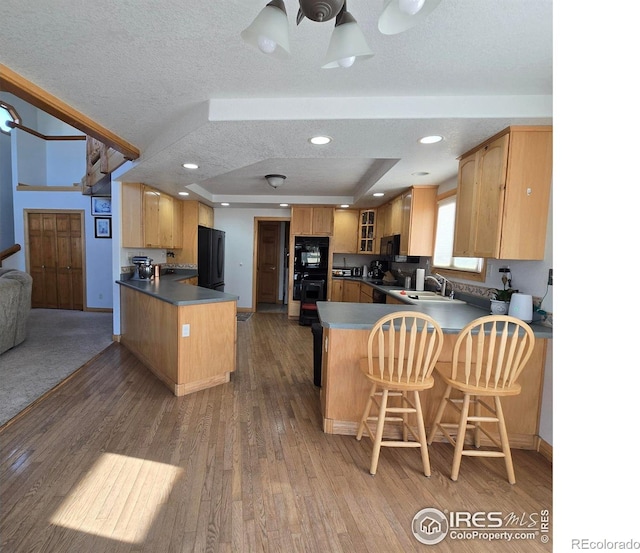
pixel 420 174
pixel 344 205
pixel 190 165
pixel 224 204
pixel 378 194
pixel 320 140
pixel 183 193
pixel 430 139
pixel 284 205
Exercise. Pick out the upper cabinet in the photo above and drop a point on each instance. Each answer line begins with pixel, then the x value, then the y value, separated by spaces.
pixel 345 230
pixel 311 221
pixel 205 215
pixel 150 218
pixel 418 221
pixel 194 213
pixel 367 240
pixel 504 186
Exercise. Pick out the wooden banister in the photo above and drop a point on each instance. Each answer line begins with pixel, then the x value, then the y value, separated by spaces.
pixel 9 252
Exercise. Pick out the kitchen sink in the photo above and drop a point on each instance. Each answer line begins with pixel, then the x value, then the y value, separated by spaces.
pixel 422 296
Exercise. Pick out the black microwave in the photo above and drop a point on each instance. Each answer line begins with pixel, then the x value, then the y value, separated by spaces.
pixel 390 245
pixel 390 248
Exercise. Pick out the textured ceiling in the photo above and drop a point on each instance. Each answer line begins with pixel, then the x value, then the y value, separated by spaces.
pixel 177 81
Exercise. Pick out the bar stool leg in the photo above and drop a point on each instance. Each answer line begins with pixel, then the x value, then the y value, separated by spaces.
pixel 379 429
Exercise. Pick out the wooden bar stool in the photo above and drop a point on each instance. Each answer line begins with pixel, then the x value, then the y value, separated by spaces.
pixel 488 357
pixel 401 354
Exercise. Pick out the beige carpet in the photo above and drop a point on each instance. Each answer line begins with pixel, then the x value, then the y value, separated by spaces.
pixel 58 343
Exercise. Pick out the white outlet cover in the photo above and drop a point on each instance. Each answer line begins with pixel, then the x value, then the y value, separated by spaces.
pixel 186 330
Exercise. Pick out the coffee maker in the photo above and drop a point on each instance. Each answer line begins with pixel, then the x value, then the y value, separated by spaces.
pixel 144 269
pixel 378 268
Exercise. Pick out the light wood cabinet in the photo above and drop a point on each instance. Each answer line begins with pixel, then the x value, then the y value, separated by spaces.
pixel 396 217
pixel 366 293
pixel 419 211
pixel 336 290
pixel 504 186
pixel 311 221
pixel 132 215
pixel 345 231
pixel 150 219
pixel 351 291
pixel 383 223
pixel 153 330
pixel 205 215
pixel 194 213
pixel 367 240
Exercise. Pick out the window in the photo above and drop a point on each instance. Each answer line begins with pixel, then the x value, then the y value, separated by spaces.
pixel 7 114
pixel 471 268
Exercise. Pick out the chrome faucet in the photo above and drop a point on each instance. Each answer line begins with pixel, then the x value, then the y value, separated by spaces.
pixel 431 277
pixel 443 286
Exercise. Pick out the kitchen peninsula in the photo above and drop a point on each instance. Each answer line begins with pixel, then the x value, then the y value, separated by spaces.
pixel 186 335
pixel 344 389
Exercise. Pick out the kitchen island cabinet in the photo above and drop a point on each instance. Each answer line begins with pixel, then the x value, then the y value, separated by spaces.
pixel 344 389
pixel 186 335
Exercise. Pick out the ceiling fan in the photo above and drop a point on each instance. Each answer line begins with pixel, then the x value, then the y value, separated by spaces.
pixel 269 31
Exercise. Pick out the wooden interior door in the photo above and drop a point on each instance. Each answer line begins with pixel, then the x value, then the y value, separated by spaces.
pixel 70 284
pixel 56 244
pixel 268 266
pixel 42 259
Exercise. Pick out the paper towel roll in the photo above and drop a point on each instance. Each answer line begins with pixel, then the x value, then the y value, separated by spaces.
pixel 419 280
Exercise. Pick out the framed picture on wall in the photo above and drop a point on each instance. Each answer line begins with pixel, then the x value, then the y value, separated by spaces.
pixel 101 205
pixel 103 227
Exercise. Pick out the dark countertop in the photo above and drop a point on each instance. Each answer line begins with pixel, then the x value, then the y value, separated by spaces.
pixel 452 317
pixel 169 288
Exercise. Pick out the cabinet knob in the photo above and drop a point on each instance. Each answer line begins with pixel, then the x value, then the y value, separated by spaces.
pixel 68 268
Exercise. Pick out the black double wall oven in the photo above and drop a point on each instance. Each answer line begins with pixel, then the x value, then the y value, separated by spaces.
pixel 311 261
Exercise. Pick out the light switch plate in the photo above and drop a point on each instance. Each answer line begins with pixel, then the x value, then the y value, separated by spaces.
pixel 186 330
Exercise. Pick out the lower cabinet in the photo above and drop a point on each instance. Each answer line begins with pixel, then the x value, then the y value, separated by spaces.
pixel 351 291
pixel 153 330
pixel 366 293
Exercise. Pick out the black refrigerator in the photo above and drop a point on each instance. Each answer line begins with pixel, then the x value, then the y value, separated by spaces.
pixel 211 258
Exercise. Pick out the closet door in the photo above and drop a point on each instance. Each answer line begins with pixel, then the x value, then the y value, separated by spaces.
pixel 42 259
pixel 70 282
pixel 56 261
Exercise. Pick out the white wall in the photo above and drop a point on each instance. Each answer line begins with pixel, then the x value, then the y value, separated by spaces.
pixel 98 276
pixel 39 162
pixel 239 271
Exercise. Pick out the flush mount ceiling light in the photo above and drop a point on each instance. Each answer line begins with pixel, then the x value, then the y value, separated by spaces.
pixel 430 139
pixel 183 193
pixel 269 31
pixel 284 205
pixel 225 204
pixel 378 194
pixel 320 140
pixel 190 165
pixel 275 180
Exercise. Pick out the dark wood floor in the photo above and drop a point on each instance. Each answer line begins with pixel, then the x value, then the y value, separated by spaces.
pixel 113 462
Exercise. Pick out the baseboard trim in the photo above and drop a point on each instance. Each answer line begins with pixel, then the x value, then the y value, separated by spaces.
pixel 99 309
pixel 545 449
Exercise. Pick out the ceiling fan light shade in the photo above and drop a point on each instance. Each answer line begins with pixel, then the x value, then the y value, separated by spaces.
pixel 347 43
pixel 275 180
pixel 269 31
pixel 396 16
